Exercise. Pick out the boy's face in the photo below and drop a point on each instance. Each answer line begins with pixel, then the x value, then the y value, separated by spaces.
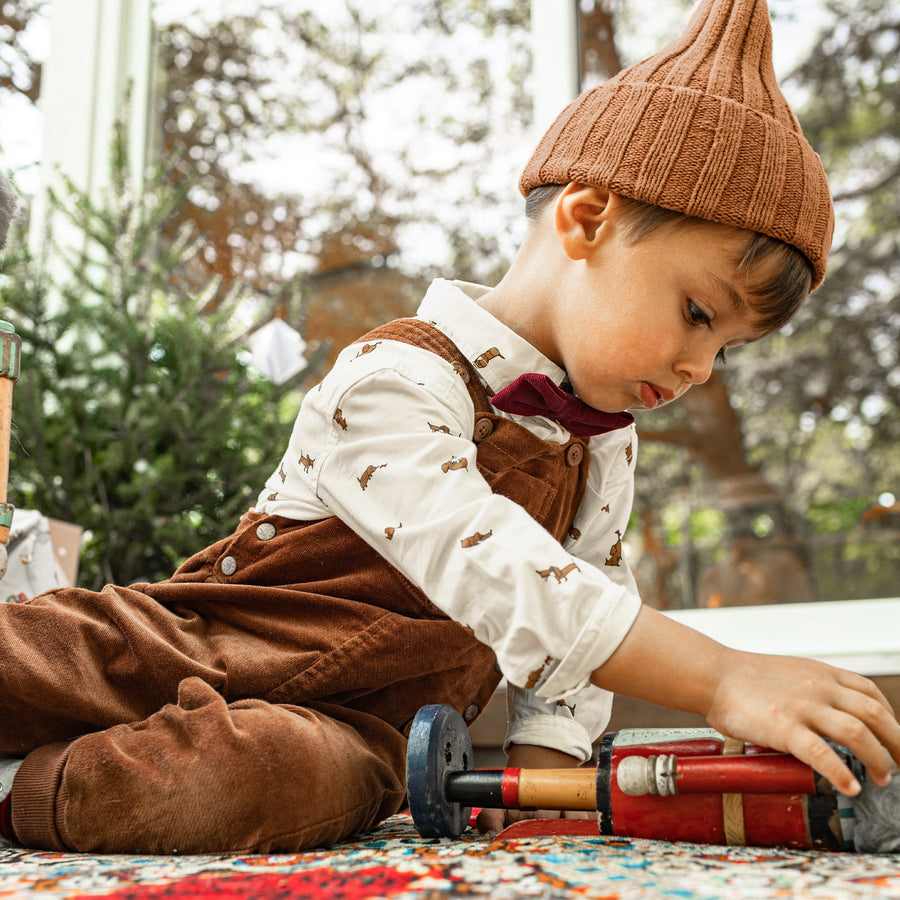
pixel 640 322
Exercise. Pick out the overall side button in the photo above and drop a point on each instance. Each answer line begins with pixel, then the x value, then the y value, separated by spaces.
pixel 265 531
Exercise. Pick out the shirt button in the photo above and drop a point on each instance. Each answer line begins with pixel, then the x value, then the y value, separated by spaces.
pixel 471 713
pixel 574 454
pixel 483 427
pixel 265 531
pixel 229 565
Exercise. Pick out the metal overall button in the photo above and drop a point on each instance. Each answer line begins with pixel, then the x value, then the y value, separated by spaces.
pixel 574 454
pixel 265 531
pixel 471 713
pixel 483 428
pixel 229 565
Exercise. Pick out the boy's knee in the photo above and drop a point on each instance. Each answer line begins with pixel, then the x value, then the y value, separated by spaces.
pixel 195 693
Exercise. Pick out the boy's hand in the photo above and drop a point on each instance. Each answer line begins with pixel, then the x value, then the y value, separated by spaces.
pixel 791 704
pixel 782 702
pixel 523 756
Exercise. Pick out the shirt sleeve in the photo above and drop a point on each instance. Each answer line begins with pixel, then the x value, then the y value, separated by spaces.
pixel 397 464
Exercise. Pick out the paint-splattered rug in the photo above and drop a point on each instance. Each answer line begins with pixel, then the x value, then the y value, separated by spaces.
pixel 394 862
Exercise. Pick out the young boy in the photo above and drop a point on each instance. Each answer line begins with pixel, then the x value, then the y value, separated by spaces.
pixel 450 508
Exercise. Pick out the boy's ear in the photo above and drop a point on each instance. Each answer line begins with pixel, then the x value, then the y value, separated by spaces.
pixel 580 214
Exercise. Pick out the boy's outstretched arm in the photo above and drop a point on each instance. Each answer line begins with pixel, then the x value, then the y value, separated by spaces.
pixel 782 702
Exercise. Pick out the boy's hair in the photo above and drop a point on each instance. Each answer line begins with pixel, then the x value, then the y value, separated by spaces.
pixel 774 299
pixel 9 203
pixel 703 129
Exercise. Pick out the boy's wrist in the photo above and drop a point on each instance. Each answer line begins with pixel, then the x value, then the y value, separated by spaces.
pixel 530 756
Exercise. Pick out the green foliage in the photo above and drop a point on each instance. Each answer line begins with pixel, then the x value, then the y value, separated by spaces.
pixel 134 415
pixel 837 517
pixel 856 567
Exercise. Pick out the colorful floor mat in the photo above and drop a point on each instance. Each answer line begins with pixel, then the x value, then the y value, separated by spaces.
pixel 394 862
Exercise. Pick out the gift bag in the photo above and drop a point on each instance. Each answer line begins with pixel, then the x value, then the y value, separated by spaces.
pixel 42 554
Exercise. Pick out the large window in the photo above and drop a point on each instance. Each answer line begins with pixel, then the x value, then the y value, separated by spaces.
pixel 356 149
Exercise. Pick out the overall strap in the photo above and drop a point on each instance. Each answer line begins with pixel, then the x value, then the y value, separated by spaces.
pixel 421 334
pixel 545 478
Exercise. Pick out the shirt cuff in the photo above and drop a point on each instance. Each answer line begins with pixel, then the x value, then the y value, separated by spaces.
pixel 606 627
pixel 559 732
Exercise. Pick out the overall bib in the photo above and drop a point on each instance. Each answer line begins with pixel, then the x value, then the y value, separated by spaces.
pixel 259 700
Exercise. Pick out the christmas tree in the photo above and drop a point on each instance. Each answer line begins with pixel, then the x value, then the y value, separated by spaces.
pixel 136 414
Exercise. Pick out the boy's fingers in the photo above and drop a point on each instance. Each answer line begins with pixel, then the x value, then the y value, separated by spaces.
pixel 816 752
pixel 846 730
pixel 856 682
pixel 564 814
pixel 490 821
pixel 872 723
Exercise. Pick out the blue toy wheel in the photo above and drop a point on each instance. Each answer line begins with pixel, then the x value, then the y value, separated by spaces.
pixel 439 743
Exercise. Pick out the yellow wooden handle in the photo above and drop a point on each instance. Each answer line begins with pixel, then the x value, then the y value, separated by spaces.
pixel 6 390
pixel 558 788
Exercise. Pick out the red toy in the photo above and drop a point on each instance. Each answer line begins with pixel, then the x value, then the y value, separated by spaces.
pixel 664 784
pixel 693 786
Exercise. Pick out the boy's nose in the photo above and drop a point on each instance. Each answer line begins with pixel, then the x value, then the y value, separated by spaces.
pixel 696 367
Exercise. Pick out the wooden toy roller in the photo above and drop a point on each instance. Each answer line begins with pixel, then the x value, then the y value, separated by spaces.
pixel 665 784
pixel 10 346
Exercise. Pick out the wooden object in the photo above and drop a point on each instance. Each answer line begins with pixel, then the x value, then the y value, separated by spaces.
pixel 10 348
pixel 665 784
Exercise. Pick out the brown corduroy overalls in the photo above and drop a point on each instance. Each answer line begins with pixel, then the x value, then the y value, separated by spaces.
pixel 261 710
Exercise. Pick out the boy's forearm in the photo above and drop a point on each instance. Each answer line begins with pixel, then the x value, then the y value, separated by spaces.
pixel 664 662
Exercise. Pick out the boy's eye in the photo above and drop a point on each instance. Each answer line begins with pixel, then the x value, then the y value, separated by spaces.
pixel 696 315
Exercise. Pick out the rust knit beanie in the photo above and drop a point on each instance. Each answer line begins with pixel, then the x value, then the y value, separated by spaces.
pixel 701 128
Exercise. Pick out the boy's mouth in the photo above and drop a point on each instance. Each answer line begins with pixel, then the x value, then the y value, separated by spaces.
pixel 652 396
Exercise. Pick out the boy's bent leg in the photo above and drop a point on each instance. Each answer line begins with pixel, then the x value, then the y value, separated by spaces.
pixel 205 776
pixel 73 661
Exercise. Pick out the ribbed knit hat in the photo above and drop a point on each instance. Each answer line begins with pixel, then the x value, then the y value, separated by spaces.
pixel 701 128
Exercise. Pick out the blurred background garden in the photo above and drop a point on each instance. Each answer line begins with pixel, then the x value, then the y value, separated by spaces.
pixel 314 165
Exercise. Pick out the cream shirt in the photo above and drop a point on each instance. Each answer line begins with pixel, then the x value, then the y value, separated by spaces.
pixel 385 443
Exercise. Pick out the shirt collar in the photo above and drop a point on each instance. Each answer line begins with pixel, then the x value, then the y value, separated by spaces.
pixel 498 354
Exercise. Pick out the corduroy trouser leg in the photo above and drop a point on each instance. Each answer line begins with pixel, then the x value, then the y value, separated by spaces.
pixel 295 776
pixel 198 716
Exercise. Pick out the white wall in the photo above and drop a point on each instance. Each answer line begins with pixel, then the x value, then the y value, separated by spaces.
pixel 554 28
pixel 97 48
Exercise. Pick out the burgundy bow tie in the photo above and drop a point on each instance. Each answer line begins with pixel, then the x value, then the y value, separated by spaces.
pixel 533 394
